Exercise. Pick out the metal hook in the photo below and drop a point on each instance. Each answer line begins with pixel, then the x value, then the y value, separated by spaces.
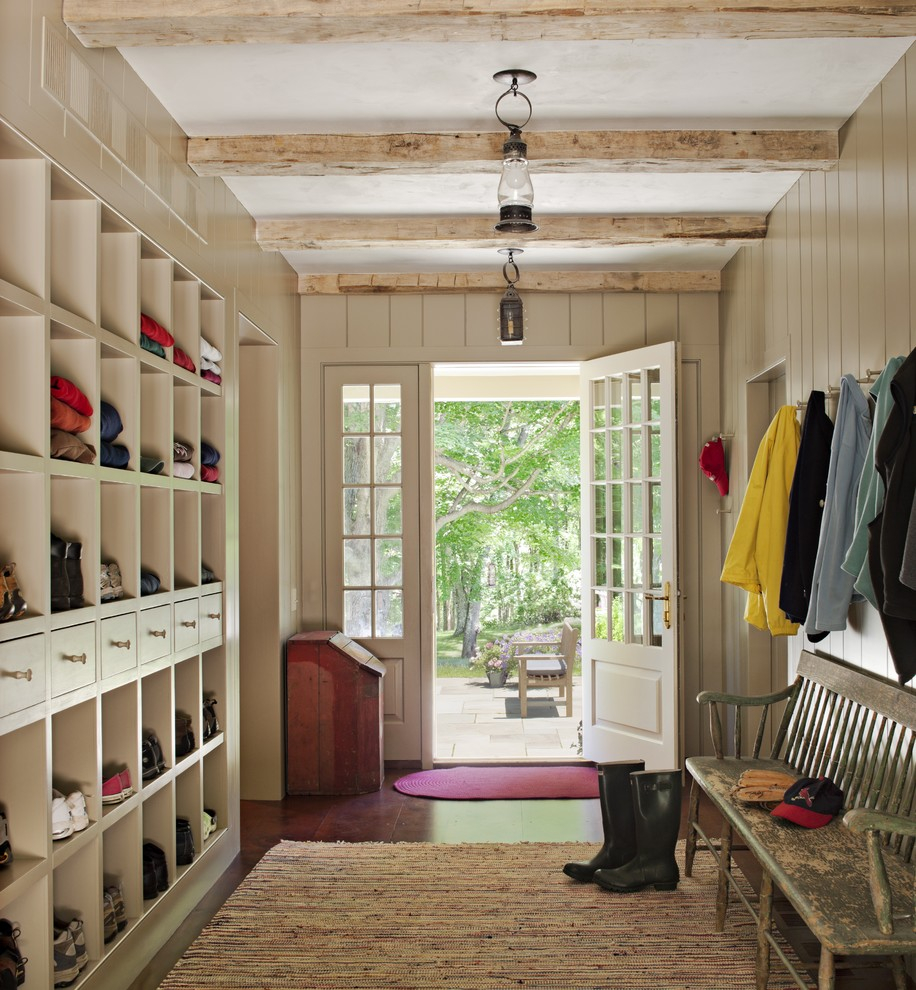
pixel 518 77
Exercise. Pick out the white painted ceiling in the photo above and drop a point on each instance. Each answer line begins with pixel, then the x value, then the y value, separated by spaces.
pixel 595 85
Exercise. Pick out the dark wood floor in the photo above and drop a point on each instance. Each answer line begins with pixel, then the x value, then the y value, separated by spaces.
pixel 389 816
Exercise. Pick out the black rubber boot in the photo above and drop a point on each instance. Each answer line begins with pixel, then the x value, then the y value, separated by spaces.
pixel 616 818
pixel 657 814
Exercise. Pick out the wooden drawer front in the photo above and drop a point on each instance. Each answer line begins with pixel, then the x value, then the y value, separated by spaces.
pixel 22 673
pixel 119 644
pixel 211 617
pixel 155 633
pixel 187 623
pixel 72 658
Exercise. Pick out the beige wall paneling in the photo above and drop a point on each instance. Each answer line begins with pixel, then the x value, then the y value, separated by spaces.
pixel 463 328
pixel 896 218
pixel 661 315
pixel 368 321
pixel 406 321
pixel 837 265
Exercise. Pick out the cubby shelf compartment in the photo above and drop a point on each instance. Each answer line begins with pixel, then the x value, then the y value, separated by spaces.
pixel 119 524
pixel 186 423
pixel 75 895
pixel 187 539
pixel 187 697
pixel 74 758
pixel 120 278
pixel 75 231
pixel 156 534
pixel 74 518
pixel 188 804
pixel 120 736
pixel 186 308
pixel 121 844
pixel 30 909
pixel 158 714
pixel 159 828
pixel 24 538
pixel 215 788
pixel 155 285
pixel 212 536
pixel 25 802
pixel 23 429
pixel 24 208
pixel 119 389
pixel 156 415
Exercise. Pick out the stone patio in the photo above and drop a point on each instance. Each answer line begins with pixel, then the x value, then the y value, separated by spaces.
pixel 477 722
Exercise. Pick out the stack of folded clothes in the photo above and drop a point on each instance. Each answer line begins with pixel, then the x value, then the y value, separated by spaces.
pixel 114 455
pixel 153 336
pixel 209 458
pixel 181 460
pixel 209 362
pixel 71 413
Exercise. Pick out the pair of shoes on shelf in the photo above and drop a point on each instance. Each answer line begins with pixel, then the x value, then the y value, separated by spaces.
pixel 155 871
pixel 211 722
pixel 12 604
pixel 68 814
pixel 66 575
pixel 153 762
pixel 110 583
pixel 184 842
pixel 117 787
pixel 184 735
pixel 12 961
pixel 70 952
pixel 208 823
pixel 6 849
pixel 115 913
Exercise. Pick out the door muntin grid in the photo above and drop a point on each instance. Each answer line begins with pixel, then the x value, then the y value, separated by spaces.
pixel 626 507
pixel 372 546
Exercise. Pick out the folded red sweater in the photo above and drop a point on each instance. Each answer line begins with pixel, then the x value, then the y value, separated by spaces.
pixel 209 473
pixel 182 359
pixel 155 331
pixel 65 418
pixel 67 392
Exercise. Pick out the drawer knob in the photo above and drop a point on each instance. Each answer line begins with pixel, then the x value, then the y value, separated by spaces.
pixel 157 632
pixel 190 623
pixel 19 675
pixel 121 644
pixel 214 615
pixel 75 657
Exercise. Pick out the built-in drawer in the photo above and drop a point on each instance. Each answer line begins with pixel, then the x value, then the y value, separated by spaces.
pixel 72 658
pixel 211 617
pixel 187 619
pixel 155 633
pixel 22 673
pixel 119 643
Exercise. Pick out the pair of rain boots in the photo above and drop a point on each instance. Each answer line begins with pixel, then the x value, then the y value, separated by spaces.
pixel 641 817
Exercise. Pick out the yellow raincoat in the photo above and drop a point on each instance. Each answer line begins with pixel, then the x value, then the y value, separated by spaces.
pixel 755 555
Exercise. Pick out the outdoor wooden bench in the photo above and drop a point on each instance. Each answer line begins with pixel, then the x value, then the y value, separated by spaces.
pixel 852 881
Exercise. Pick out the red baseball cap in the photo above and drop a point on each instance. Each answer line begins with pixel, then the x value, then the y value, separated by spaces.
pixel 811 802
pixel 712 461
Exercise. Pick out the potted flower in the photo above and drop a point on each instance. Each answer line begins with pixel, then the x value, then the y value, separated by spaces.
pixel 491 659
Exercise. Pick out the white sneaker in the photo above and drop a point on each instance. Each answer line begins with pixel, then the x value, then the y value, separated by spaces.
pixel 61 817
pixel 77 805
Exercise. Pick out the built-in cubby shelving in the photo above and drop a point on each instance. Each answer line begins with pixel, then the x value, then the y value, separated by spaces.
pixel 81 686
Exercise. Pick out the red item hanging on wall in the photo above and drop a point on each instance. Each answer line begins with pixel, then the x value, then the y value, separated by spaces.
pixel 712 463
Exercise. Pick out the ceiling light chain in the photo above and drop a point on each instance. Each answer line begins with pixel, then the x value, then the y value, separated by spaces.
pixel 515 193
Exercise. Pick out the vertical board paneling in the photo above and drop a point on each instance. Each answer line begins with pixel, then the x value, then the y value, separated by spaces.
pixel 585 315
pixel 661 317
pixel 833 325
pixel 803 333
pixel 870 193
pixel 820 340
pixel 896 221
pixel 624 321
pixel 849 241
pixel 406 321
pixel 368 321
pixel 910 125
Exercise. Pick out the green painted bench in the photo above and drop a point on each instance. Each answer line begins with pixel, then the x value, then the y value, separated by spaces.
pixel 852 881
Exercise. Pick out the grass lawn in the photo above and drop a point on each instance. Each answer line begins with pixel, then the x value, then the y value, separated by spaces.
pixel 449 662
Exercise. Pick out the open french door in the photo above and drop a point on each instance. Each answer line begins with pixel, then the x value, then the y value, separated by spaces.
pixel 629 557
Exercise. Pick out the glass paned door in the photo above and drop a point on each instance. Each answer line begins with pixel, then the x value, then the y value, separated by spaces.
pixel 629 557
pixel 372 541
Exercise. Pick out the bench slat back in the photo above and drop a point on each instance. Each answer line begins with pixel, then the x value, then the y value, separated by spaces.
pixel 859 730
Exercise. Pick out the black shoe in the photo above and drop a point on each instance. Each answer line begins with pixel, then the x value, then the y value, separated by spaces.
pixel 184 842
pixel 9 951
pixel 150 886
pixel 153 854
pixel 153 762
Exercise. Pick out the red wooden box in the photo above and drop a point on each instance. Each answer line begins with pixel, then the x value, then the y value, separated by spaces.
pixel 334 733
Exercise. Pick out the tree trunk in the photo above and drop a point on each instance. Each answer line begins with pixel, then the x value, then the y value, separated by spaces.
pixel 461 610
pixel 471 629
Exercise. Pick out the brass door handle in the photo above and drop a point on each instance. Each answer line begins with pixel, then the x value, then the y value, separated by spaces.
pixel 157 632
pixel 666 598
pixel 19 675
pixel 214 615
pixel 75 657
pixel 121 644
pixel 191 624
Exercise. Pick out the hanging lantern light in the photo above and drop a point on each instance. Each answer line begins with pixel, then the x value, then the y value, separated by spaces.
pixel 515 192
pixel 511 311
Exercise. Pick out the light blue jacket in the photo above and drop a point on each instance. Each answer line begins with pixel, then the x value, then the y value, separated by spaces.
pixel 870 498
pixel 832 588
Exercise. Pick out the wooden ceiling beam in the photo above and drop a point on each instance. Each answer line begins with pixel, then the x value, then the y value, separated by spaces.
pixel 116 23
pixel 569 281
pixel 307 234
pixel 554 151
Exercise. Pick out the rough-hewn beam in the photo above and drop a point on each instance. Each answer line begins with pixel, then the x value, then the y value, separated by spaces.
pixel 439 282
pixel 554 151
pixel 111 23
pixel 477 232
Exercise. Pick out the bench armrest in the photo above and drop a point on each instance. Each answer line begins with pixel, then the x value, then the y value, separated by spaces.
pixel 714 698
pixel 871 824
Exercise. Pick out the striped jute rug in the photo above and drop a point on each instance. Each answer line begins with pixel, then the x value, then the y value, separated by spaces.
pixel 365 916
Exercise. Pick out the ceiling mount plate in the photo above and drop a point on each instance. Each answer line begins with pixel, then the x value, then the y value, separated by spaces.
pixel 522 76
pixel 511 250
